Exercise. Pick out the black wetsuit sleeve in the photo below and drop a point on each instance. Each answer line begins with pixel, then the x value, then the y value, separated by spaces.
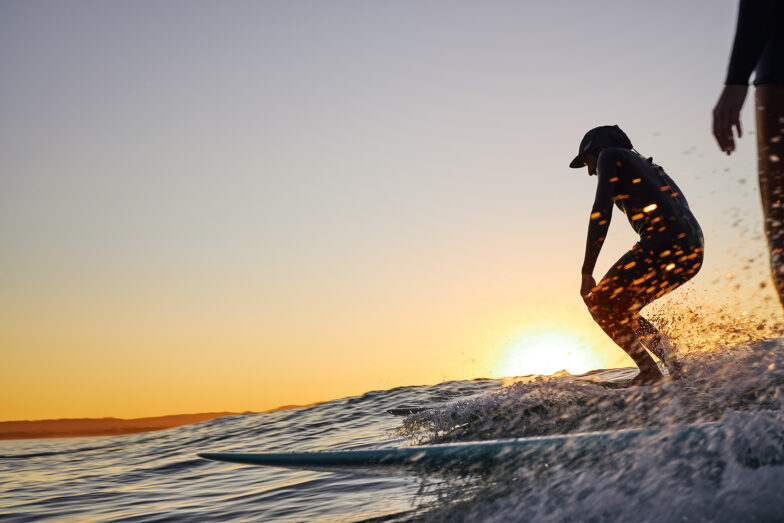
pixel 750 38
pixel 601 213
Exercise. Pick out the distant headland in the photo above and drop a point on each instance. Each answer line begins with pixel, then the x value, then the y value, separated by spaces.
pixel 84 427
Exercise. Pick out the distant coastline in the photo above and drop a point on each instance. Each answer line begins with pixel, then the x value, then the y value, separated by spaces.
pixel 86 427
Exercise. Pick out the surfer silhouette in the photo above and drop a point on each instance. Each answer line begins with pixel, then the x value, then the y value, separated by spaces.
pixel 759 44
pixel 669 253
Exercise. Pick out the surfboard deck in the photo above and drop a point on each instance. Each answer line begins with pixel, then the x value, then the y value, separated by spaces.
pixel 406 410
pixel 458 457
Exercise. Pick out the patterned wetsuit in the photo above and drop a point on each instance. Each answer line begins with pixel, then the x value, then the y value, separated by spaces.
pixel 669 253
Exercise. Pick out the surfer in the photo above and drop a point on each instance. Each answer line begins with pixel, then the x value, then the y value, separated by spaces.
pixel 759 44
pixel 669 253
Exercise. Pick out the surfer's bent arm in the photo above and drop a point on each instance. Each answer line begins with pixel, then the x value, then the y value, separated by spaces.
pixel 601 213
pixel 750 39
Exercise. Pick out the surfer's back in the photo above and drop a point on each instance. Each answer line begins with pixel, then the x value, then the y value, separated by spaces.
pixel 651 200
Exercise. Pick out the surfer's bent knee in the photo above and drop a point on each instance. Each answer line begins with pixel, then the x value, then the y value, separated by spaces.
pixel 643 275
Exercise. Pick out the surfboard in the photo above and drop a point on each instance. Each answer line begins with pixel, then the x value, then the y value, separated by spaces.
pixel 464 457
pixel 406 410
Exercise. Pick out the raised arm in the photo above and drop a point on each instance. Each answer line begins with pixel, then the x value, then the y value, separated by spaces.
pixel 750 38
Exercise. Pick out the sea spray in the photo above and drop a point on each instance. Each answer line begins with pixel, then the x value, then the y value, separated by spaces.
pixel 732 379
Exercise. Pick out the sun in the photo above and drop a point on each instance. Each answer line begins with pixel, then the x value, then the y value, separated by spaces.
pixel 547 352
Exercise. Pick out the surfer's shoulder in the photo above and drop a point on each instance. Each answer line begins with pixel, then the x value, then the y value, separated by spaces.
pixel 610 154
pixel 612 158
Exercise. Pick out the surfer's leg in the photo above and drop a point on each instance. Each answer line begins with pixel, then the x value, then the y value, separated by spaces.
pixel 770 161
pixel 670 268
pixel 613 306
pixel 657 343
pixel 641 276
pixel 649 336
pixel 618 327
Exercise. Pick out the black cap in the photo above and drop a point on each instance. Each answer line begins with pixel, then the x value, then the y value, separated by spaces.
pixel 603 136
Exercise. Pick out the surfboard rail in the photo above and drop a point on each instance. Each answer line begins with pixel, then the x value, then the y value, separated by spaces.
pixel 456 457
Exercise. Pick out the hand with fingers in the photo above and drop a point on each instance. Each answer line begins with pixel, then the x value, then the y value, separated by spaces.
pixel 726 115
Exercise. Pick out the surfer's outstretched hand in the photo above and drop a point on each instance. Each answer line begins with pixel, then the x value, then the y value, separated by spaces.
pixel 587 285
pixel 726 115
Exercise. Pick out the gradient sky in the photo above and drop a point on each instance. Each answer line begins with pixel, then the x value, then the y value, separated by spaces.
pixel 231 205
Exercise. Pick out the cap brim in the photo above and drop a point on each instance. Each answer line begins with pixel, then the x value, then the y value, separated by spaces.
pixel 578 162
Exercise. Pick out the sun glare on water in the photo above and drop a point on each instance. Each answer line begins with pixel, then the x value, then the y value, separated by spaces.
pixel 547 353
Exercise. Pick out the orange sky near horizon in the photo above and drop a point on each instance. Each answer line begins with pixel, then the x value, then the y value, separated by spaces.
pixel 210 206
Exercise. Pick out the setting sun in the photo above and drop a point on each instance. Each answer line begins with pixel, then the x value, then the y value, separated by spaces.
pixel 545 353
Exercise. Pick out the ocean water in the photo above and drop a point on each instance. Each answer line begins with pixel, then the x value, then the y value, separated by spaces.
pixel 734 472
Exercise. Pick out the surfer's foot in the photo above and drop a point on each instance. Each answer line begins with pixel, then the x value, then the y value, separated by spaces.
pixel 673 368
pixel 642 380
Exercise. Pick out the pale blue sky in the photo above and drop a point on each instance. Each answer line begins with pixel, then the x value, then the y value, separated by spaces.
pixel 170 167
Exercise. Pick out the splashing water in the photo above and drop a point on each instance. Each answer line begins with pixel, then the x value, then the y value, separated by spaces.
pixel 732 379
pixel 732 373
